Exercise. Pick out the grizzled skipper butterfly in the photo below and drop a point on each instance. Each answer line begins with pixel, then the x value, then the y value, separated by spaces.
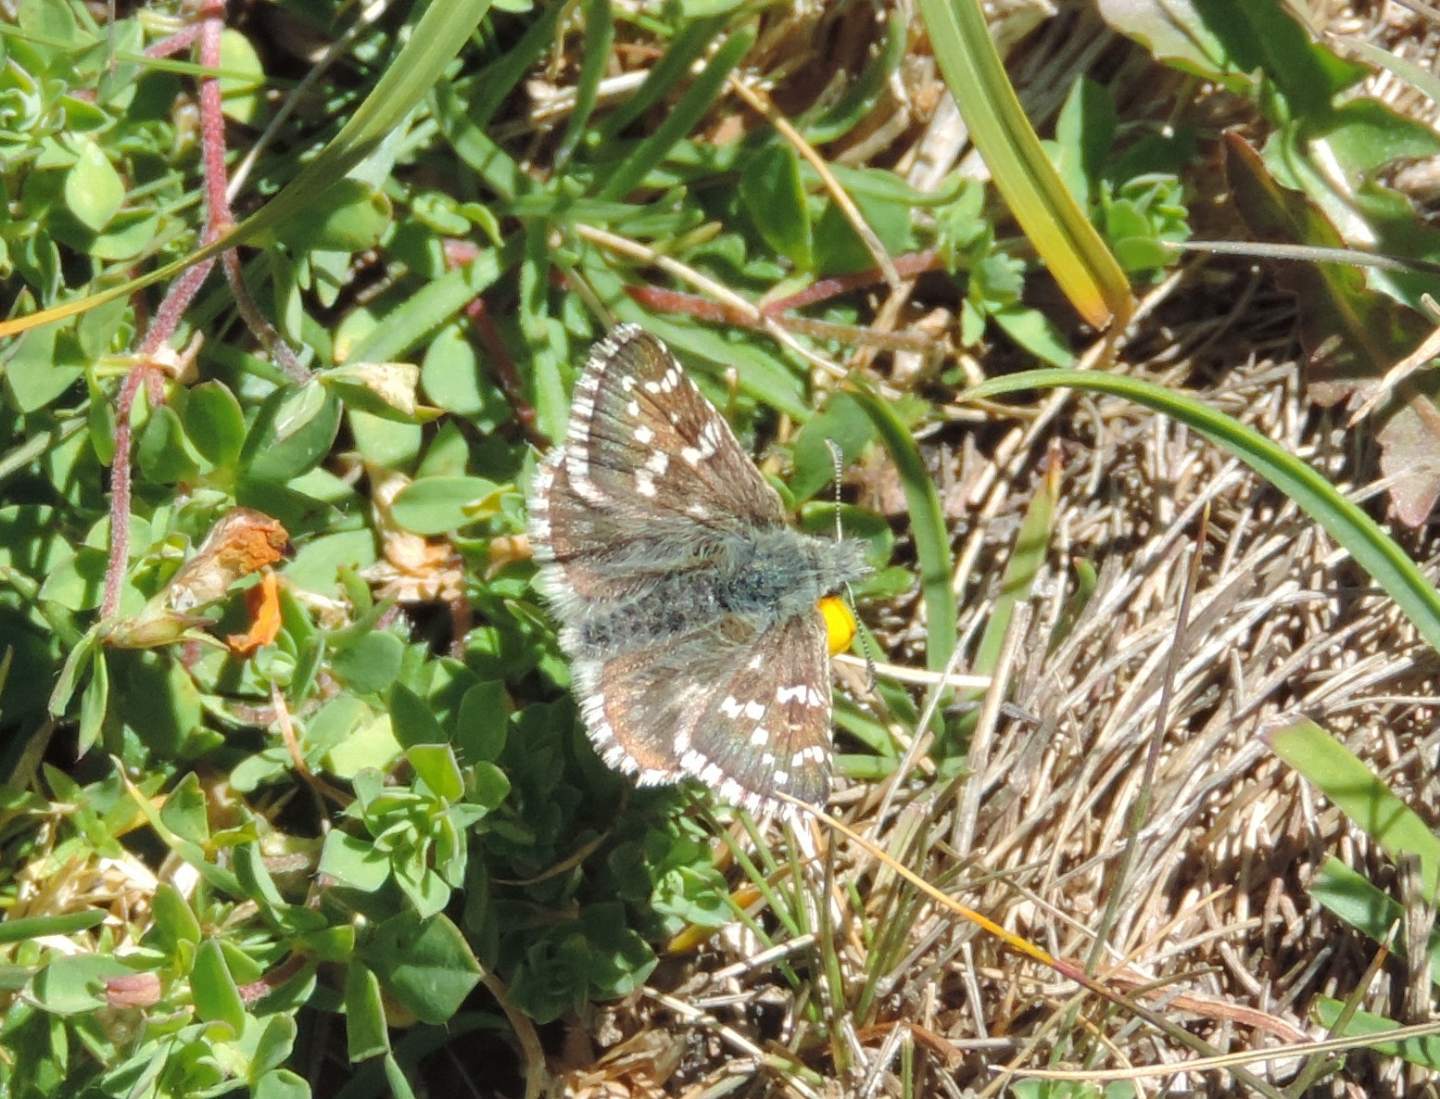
pixel 688 607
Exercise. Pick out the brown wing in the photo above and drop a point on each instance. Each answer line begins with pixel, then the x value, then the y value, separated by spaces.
pixel 645 442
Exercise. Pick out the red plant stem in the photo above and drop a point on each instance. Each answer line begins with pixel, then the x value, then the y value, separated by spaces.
pixel 673 301
pixel 212 125
pixel 505 372
pixel 172 308
pixel 120 492
pixel 175 43
pixel 907 266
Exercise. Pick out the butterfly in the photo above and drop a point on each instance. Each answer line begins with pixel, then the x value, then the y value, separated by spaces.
pixel 688 606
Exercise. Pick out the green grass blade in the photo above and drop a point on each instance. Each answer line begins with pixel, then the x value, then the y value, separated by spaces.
pixel 1374 550
pixel 1037 196
pixel 498 79
pixel 927 526
pixel 689 44
pixel 681 120
pixel 433 305
pixel 437 38
pixel 1032 543
pixel 1345 779
pixel 599 34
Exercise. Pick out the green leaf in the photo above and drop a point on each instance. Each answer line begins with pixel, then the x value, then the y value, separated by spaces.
pixel 93 703
pixel 93 188
pixel 353 862
pixel 426 965
pixel 242 86
pixel 293 432
pixel 1052 220
pixel 692 40
pixel 488 785
pixel 842 422
pixel 595 56
pixel 437 505
pixel 1422 1050
pixel 40 368
pixel 281 1083
pixel 1357 901
pixel 434 305
pixel 354 217
pixel 774 197
pixel 77 582
pixel 215 423
pixel 366 1034
pixel 317 564
pixel 166 455
pixel 174 919
pixel 75 983
pixel 370 663
pixel 680 119
pixel 453 379
pixel 274 1046
pixel 411 719
pixel 395 1078
pixel 217 999
pixel 185 811
pixel 435 764
pixel 839 249
pixel 1032 543
pixel 32 927
pixel 482 722
pixel 860 95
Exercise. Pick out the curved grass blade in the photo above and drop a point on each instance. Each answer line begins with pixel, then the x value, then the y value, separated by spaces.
pixel 1047 212
pixel 438 37
pixel 682 119
pixel 1348 782
pixel 1374 550
pixel 927 526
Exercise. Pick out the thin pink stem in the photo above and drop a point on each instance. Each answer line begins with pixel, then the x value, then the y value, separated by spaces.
pixel 177 299
pixel 175 43
pixel 120 492
pixel 212 128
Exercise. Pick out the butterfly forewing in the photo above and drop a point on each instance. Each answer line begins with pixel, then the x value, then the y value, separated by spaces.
pixel 644 440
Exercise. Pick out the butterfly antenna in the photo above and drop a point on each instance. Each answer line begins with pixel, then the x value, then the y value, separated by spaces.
pixel 837 458
pixel 867 643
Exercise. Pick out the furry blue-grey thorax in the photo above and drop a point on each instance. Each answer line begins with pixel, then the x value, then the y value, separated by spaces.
pixel 687 605
pixel 763 577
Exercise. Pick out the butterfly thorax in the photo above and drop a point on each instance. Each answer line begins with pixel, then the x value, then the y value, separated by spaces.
pixel 757 579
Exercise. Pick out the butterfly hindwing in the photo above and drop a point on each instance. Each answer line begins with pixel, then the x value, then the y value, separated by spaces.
pixel 746 714
pixel 767 730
